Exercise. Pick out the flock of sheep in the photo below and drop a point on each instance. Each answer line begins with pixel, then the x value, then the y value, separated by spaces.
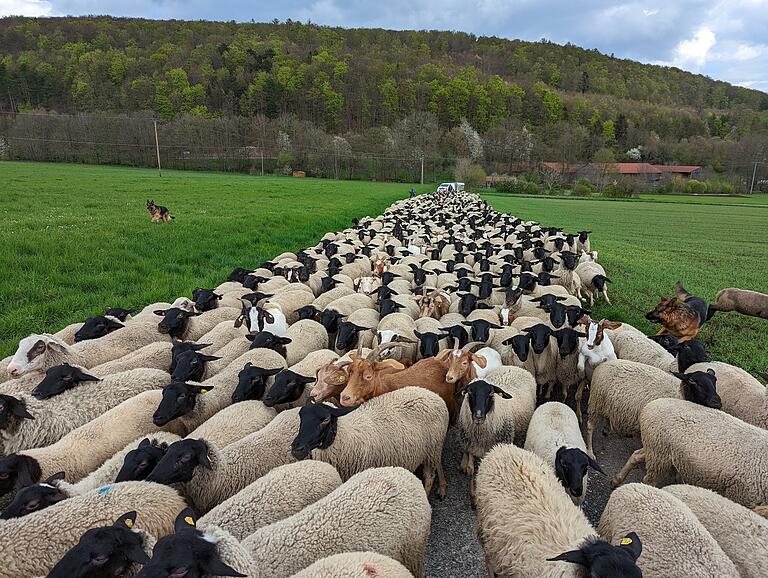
pixel 276 425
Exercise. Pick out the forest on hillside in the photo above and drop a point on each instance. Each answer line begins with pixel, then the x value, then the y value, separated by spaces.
pixel 428 93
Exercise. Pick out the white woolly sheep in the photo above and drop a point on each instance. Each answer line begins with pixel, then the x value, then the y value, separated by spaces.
pixel 380 509
pixel 291 387
pixel 555 436
pixel 593 280
pixel 322 301
pixel 358 329
pixel 675 543
pixel 283 492
pixel 743 301
pixel 37 423
pixel 223 334
pixel 620 390
pixel 153 356
pixel 522 387
pixel 741 394
pixel 289 302
pixel 356 565
pixel 205 322
pixel 633 345
pixel 741 533
pixel 50 533
pixel 221 386
pixel 210 475
pixel 107 472
pixel 84 449
pixel 67 335
pixel 235 422
pixel 405 428
pixel 676 435
pixel 528 526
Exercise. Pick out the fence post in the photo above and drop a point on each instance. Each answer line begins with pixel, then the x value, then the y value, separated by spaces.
pixel 157 148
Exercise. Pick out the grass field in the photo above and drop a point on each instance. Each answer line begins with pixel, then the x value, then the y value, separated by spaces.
pixel 760 199
pixel 645 247
pixel 75 238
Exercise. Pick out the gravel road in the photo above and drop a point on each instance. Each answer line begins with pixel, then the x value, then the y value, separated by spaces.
pixel 453 549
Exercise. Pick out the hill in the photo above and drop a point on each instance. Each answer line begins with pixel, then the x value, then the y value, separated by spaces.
pixel 354 81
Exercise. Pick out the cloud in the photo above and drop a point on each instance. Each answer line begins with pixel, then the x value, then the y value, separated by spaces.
pixel 650 12
pixel 25 8
pixel 694 51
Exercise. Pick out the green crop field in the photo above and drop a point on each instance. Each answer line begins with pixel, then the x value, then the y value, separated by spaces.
pixel 646 247
pixel 75 238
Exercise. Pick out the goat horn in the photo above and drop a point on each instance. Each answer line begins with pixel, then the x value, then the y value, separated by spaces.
pixel 343 364
pixel 359 350
pixel 375 354
pixel 471 345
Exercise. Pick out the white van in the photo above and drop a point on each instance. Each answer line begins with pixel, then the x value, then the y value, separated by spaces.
pixel 455 187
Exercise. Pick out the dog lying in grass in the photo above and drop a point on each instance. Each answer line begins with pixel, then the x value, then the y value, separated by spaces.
pixel 682 315
pixel 158 213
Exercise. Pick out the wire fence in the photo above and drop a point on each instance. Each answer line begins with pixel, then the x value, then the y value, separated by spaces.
pixel 248 145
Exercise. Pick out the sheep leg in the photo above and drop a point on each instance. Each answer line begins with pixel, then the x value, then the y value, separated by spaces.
pixel 564 389
pixel 472 496
pixel 605 294
pixel 441 484
pixel 578 397
pixel 659 470
pixel 590 430
pixel 429 478
pixel 548 394
pixel 637 458
pixel 591 299
pixel 470 469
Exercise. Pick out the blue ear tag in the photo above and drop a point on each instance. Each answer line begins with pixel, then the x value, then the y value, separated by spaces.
pixel 104 490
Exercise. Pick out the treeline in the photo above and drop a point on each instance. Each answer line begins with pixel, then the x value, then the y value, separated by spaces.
pixel 364 83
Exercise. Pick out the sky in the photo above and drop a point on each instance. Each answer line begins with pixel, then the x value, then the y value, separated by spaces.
pixel 724 39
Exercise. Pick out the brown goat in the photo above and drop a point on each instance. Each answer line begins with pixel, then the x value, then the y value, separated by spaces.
pixel 461 371
pixel 434 305
pixel 330 380
pixel 371 377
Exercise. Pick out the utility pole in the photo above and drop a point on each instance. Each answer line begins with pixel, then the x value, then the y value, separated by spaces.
pixel 422 170
pixel 157 148
pixel 754 172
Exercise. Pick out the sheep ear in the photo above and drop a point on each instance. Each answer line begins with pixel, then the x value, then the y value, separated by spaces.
pixel 55 478
pixel 202 451
pixel 574 557
pixel 209 357
pixel 501 393
pixel 186 520
pixel 81 376
pixel 160 312
pixel 680 376
pixel 633 544
pixel 215 567
pixel 711 371
pixel 17 408
pixel 595 466
pixel 127 520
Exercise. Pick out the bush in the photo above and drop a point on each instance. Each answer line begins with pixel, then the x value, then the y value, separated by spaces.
pixel 471 175
pixel 583 188
pixel 518 186
pixel 616 192
pixel 722 187
pixel 694 187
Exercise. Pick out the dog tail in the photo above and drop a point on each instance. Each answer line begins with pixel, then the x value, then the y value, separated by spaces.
pixel 711 310
pixel 681 291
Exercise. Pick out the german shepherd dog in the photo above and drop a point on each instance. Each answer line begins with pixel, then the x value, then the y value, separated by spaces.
pixel 681 316
pixel 159 213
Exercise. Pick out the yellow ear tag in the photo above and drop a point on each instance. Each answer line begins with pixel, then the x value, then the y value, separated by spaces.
pixel 189 520
pixel 202 391
pixel 342 378
pixel 625 541
pixel 129 522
